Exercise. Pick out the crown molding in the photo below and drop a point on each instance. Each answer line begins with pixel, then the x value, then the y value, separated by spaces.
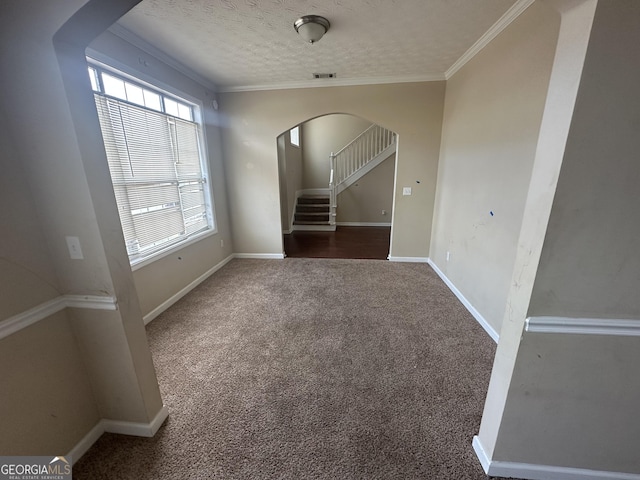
pixel 335 82
pixel 510 15
pixel 133 39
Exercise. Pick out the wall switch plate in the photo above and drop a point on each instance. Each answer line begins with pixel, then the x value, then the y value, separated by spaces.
pixel 384 212
pixel 448 256
pixel 73 244
pixel 221 242
pixel 406 190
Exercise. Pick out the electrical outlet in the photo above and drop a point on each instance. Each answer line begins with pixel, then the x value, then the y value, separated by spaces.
pixel 406 190
pixel 222 243
pixel 75 251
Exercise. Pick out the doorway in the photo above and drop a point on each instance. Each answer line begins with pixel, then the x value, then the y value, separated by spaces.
pixel 337 175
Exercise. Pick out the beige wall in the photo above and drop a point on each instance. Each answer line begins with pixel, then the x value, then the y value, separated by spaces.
pixel 322 136
pixel 575 396
pixel 255 119
pixel 282 178
pixel 46 397
pixel 364 201
pixel 290 162
pixel 492 116
pixel 55 133
pixel 27 276
pixel 165 277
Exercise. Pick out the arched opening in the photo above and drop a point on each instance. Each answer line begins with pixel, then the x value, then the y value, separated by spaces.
pixel 336 181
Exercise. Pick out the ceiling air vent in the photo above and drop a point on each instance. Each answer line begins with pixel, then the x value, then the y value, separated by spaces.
pixel 324 75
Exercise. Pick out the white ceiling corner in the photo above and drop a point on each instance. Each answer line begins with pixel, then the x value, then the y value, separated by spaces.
pixel 241 45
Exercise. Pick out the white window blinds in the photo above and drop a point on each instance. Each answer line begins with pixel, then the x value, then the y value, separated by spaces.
pixel 155 166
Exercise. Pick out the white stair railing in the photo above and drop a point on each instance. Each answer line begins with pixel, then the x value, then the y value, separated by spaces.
pixel 354 156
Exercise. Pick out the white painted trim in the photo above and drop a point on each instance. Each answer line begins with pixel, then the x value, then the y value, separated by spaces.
pixel 472 310
pixel 366 168
pixel 174 298
pixel 503 22
pixel 583 326
pixel 130 37
pixel 481 454
pixel 363 224
pixel 22 320
pixel 314 228
pixel 86 443
pixel 263 256
pixel 135 428
pixel 94 302
pixel 172 249
pixel 408 259
pixel 336 82
pixel 117 426
pixel 543 472
pixel 29 317
pixel 287 232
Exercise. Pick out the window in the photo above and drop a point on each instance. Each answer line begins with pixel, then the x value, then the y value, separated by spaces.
pixel 294 136
pixel 155 158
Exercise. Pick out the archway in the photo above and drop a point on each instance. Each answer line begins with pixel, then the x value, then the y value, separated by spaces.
pixel 336 180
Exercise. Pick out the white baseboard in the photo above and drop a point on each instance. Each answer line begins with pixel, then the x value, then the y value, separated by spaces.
pixel 116 426
pixel 472 310
pixel 314 228
pixel 480 453
pixel 135 428
pixel 263 256
pixel 86 443
pixel 531 471
pixel 409 259
pixel 363 224
pixel 174 298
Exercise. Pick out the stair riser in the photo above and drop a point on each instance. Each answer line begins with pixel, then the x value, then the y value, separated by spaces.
pixel 311 218
pixel 313 201
pixel 312 209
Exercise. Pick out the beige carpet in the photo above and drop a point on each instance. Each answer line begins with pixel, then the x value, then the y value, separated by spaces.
pixel 311 369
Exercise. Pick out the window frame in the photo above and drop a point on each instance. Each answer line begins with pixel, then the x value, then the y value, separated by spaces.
pixel 291 142
pixel 100 62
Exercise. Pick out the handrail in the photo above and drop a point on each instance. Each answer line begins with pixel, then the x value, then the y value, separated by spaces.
pixel 355 139
pixel 354 156
pixel 360 151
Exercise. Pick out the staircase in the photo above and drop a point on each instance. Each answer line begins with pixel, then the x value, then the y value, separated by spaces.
pixel 312 213
pixel 316 209
pixel 360 156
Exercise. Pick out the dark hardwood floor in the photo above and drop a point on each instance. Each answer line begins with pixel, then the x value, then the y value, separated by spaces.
pixel 345 242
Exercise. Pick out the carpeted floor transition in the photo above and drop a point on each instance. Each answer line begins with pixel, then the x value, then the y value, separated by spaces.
pixel 311 368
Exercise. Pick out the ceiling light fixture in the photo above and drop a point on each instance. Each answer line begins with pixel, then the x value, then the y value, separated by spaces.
pixel 312 27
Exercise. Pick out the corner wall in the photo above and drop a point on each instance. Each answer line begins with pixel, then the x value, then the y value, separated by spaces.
pixel 51 122
pixel 573 396
pixel 493 110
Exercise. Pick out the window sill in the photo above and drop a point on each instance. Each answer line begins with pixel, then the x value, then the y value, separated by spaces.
pixel 172 249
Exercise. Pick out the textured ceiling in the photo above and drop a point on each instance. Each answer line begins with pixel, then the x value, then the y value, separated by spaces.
pixel 249 43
